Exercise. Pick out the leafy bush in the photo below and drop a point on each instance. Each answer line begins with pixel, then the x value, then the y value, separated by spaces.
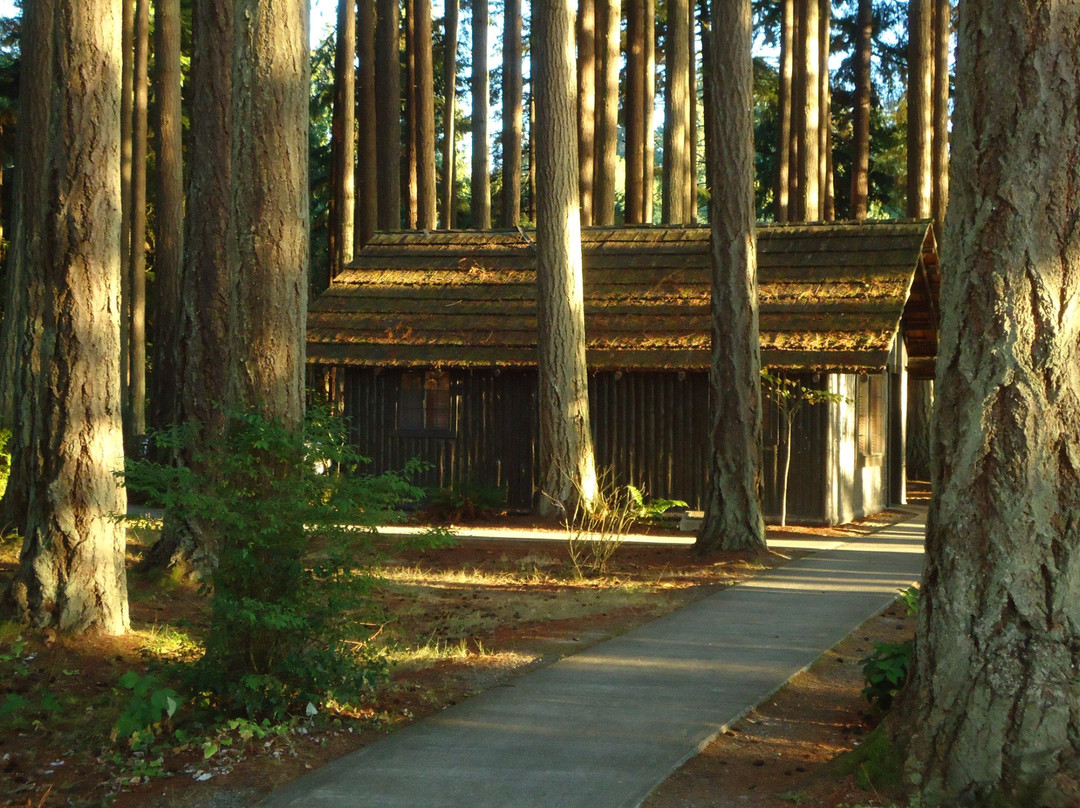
pixel 287 518
pixel 652 509
pixel 887 667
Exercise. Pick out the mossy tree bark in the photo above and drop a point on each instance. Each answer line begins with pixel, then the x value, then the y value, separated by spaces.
pixel 71 568
pixel 733 516
pixel 567 470
pixel 994 697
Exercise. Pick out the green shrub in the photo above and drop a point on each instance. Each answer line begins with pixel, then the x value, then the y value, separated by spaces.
pixel 595 530
pixel 287 518
pixel 885 671
pixel 465 499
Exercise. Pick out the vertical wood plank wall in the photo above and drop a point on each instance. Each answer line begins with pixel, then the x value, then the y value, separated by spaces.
pixel 650 428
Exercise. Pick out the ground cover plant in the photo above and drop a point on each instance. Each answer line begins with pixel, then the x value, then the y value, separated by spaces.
pixel 448 622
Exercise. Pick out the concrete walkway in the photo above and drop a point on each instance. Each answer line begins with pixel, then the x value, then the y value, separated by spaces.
pixel 604 727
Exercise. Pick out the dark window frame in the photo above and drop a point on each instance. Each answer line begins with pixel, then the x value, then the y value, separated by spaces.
pixel 424 404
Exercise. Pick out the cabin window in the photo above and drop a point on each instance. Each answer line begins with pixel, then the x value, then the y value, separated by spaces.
pixel 425 401
pixel 870 402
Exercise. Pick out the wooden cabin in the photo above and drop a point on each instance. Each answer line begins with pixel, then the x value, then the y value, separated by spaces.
pixel 428 341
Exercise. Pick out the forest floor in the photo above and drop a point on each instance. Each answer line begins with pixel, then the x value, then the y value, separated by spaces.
pixel 460 619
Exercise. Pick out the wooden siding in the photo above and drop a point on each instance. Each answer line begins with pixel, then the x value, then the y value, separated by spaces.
pixel 831 298
pixel 650 429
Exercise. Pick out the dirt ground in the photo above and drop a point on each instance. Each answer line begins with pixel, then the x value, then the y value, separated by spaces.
pixel 462 619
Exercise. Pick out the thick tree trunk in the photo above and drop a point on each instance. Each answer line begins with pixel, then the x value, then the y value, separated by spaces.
pixel 127 111
pixel 676 171
pixel 168 215
pixel 860 162
pixel 481 176
pixel 586 109
pixel 512 115
pixel 733 517
pixel 608 17
pixel 367 171
pixel 343 143
pixel 449 143
pixel 71 568
pixel 798 110
pixel 810 116
pixel 567 470
pixel 939 147
pixel 692 130
pixel 994 698
pixel 269 249
pixel 425 118
pixel 136 425
pixel 388 113
pixel 635 112
pixel 781 209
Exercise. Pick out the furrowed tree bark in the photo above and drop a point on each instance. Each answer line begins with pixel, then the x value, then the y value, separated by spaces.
pixel 71 573
pixel 449 143
pixel 586 110
pixel 676 171
pixel 512 115
pixel 168 215
pixel 367 171
pixel 425 118
pixel 208 322
pixel 733 516
pixel 994 701
pixel 388 113
pixel 781 208
pixel 342 211
pixel 269 248
pixel 481 177
pixel 860 163
pixel 567 470
pixel 608 17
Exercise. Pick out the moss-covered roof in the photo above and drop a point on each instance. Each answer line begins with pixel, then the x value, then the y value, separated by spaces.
pixel 831 297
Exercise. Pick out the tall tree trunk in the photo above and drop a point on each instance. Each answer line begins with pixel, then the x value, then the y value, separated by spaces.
pixel 733 516
pixel 939 160
pixel 676 171
pixel 168 215
pixel 798 110
pixel 649 163
pixel 635 112
pixel 810 117
pixel 567 469
pixel 994 698
pixel 782 204
pixel 692 130
pixel 388 113
pixel 343 143
pixel 137 268
pixel 481 176
pixel 71 571
pixel 425 118
pixel 608 17
pixel 919 164
pixel 512 114
pixel 127 111
pixel 410 177
pixel 707 64
pixel 586 109
pixel 828 210
pixel 860 162
pixel 449 143
pixel 532 145
pixel 270 203
pixel 920 107
pixel 367 159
